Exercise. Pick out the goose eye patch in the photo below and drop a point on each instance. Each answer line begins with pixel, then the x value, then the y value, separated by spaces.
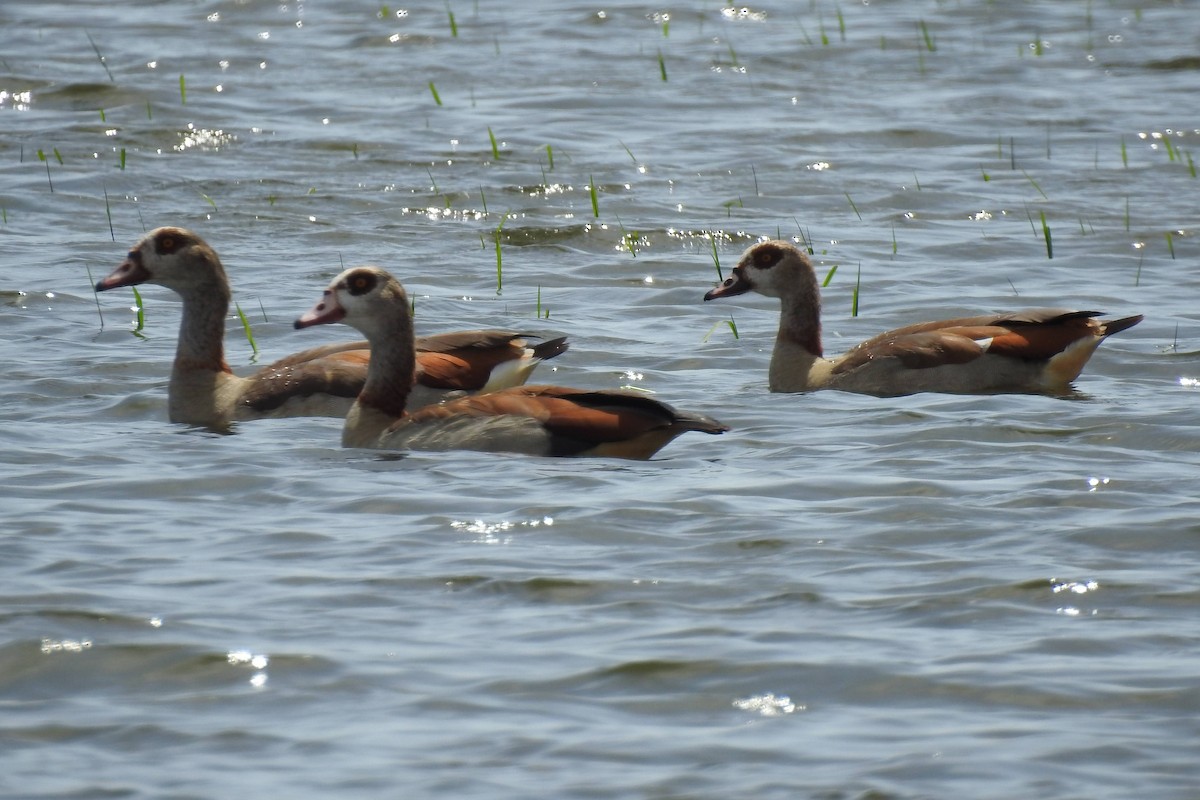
pixel 361 283
pixel 167 244
pixel 767 257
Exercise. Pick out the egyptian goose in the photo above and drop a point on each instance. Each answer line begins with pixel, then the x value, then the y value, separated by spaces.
pixel 535 420
pixel 322 381
pixel 1036 350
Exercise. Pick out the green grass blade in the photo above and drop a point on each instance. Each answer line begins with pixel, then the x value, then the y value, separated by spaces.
pixel 46 161
pixel 1035 184
pixel 246 328
pixel 857 288
pixel 716 258
pixel 141 310
pixel 95 295
pixel 182 90
pixel 852 206
pixel 95 49
pixel 595 199
pixel 927 37
pixel 433 91
pixel 829 276
pixel 1046 234
pixel 108 213
pixel 495 147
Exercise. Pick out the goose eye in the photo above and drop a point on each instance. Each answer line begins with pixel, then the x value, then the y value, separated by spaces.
pixel 166 244
pixel 361 283
pixel 767 257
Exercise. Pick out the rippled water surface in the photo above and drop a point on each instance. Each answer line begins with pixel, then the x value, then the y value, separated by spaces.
pixel 844 597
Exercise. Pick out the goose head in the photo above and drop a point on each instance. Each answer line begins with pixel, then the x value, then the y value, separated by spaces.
pixel 773 269
pixel 172 257
pixel 365 298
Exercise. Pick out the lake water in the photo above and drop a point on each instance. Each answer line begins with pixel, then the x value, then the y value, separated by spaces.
pixel 844 597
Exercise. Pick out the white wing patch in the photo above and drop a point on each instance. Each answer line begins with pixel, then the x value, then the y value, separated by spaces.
pixel 984 344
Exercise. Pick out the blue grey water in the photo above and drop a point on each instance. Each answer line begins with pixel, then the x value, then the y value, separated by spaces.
pixel 844 597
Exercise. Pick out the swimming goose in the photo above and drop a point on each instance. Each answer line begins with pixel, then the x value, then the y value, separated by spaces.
pixel 322 381
pixel 1035 350
pixel 535 420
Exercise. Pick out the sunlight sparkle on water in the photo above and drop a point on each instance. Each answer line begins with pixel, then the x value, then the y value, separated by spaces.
pixel 491 532
pixel 1075 587
pixel 65 646
pixel 17 101
pixel 202 139
pixel 238 657
pixel 768 705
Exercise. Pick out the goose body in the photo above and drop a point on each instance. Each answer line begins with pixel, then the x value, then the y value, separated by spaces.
pixel 321 381
pixel 1034 350
pixel 535 420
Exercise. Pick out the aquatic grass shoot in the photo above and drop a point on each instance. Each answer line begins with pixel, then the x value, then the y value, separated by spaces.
pixel 246 328
pixel 592 194
pixel 141 313
pixel 1172 152
pixel 95 295
pixel 495 147
pixel 662 66
pixel 926 36
pixel 108 213
pixel 852 206
pixel 730 323
pixel 1171 245
pixel 122 162
pixel 182 90
pixel 496 236
pixel 433 91
pixel 1035 184
pixel 453 23
pixel 550 158
pixel 1124 154
pixel 42 157
pixel 829 276
pixel 712 240
pixel 1046 235
pixel 96 50
pixel 628 238
pixel 857 289
pixel 539 312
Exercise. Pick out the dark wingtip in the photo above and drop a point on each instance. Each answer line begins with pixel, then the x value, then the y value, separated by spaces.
pixel 551 348
pixel 1123 324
